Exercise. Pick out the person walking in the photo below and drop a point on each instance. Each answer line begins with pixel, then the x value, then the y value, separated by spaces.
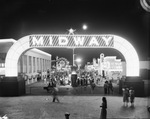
pixel 132 96
pixel 55 94
pixel 103 114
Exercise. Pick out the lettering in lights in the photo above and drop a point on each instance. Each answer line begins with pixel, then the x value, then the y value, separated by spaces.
pixel 73 41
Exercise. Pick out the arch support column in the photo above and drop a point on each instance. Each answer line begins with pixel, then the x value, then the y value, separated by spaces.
pixel 12 86
pixel 13 55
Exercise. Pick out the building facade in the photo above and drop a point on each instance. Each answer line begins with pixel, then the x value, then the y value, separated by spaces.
pixel 32 63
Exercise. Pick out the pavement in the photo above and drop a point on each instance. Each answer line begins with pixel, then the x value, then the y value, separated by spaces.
pixel 37 89
pixel 38 104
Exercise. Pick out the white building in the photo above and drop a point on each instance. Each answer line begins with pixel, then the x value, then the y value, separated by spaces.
pixel 30 64
pixel 112 67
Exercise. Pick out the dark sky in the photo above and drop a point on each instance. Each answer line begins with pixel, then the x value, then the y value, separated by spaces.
pixel 125 18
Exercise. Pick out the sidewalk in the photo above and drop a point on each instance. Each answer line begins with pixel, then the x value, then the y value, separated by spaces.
pixel 78 101
pixel 79 107
pixel 37 89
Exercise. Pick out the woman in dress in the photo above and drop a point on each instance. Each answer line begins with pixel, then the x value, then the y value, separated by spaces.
pixel 104 108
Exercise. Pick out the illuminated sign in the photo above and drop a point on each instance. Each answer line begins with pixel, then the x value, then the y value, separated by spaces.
pixel 62 62
pixel 116 66
pixel 112 64
pixel 71 41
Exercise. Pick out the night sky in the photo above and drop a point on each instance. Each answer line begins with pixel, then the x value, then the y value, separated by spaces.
pixel 125 18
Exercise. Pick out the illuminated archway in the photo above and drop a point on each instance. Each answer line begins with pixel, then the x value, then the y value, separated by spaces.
pixel 72 41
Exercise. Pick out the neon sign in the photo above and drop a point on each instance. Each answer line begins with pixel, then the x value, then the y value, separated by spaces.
pixel 112 64
pixel 71 41
pixel 117 66
pixel 62 62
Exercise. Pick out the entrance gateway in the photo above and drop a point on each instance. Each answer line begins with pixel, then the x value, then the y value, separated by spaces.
pixel 72 41
pixel 67 41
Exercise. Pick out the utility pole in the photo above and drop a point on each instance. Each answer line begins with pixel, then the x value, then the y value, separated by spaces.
pixel 73 57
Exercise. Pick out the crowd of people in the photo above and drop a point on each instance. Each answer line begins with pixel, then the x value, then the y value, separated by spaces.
pixel 108 86
pixel 83 80
pixel 128 93
pixel 128 96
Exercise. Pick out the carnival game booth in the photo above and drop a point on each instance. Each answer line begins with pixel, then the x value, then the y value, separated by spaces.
pixel 31 67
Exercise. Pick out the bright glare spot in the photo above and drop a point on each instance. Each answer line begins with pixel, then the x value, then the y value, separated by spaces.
pixel 78 60
pixel 84 27
pixel 73 72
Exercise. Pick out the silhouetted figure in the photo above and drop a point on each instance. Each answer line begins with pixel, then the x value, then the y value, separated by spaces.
pixel 92 86
pixel 55 93
pixel 78 81
pixel 125 96
pixel 110 87
pixel 104 108
pixel 82 83
pixel 105 87
pixel 132 96
pixel 48 73
pixel 38 77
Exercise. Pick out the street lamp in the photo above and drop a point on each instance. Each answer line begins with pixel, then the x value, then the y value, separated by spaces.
pixel 84 27
pixel 73 57
pixel 78 61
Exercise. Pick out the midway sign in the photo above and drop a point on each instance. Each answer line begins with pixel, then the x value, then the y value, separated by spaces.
pixel 80 41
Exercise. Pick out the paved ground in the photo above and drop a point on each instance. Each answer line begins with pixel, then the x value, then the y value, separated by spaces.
pixel 79 106
pixel 37 89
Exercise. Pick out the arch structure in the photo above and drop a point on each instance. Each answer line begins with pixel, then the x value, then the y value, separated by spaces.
pixel 72 41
